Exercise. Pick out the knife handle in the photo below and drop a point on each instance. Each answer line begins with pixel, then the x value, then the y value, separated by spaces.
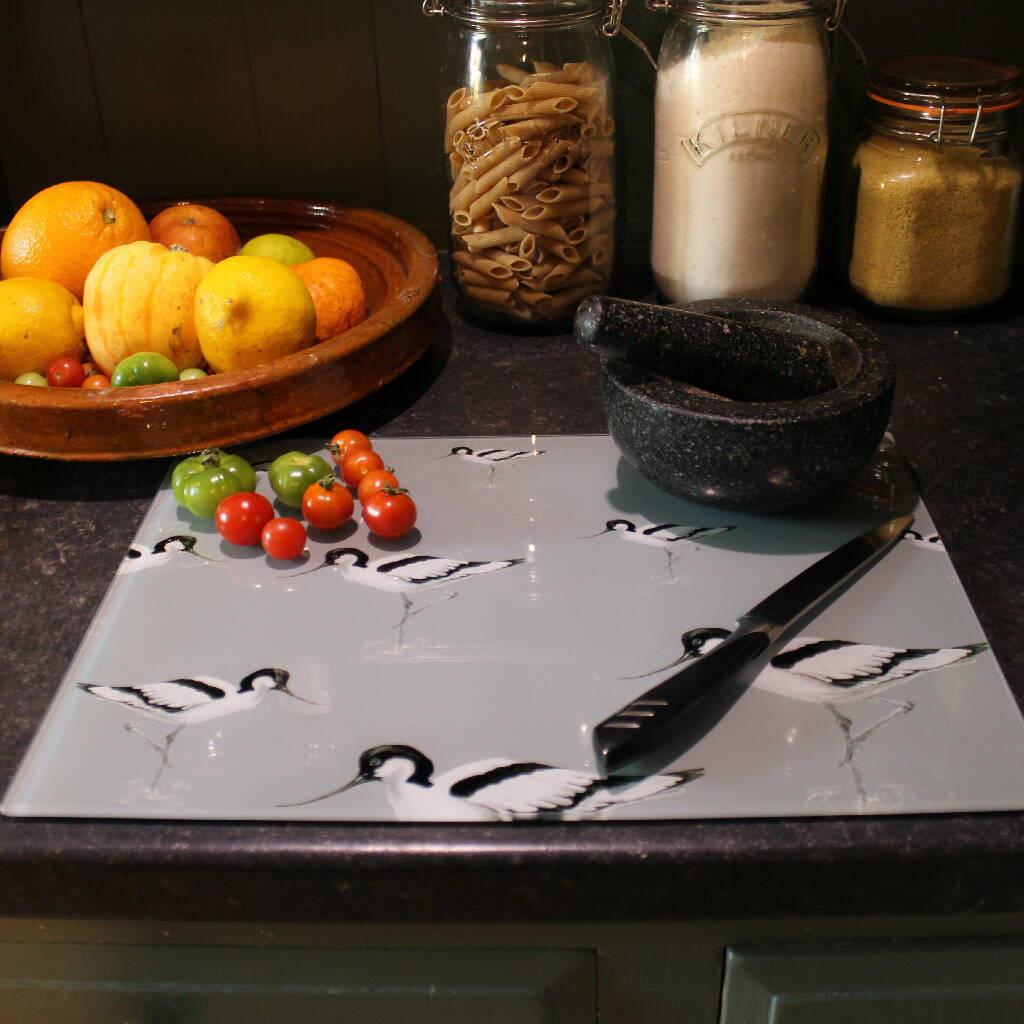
pixel 653 718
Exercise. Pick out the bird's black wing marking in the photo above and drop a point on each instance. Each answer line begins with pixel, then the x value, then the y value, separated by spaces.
pixel 157 695
pixel 468 787
pixel 213 692
pixel 883 661
pixel 440 568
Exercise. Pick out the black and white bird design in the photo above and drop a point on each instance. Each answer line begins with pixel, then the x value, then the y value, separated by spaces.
pixel 180 702
pixel 671 538
pixel 928 541
pixel 408 575
pixel 496 789
pixel 492 458
pixel 836 672
pixel 160 553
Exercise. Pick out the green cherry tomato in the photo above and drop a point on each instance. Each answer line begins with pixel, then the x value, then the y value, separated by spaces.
pixel 202 481
pixel 290 474
pixel 143 368
pixel 192 373
pixel 33 379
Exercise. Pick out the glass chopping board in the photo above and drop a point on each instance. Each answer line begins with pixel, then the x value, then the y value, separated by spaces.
pixel 457 674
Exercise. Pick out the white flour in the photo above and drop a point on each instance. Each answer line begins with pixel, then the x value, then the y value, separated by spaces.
pixel 740 147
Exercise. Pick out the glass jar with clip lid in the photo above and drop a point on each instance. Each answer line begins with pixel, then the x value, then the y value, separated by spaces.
pixel 934 185
pixel 529 139
pixel 740 146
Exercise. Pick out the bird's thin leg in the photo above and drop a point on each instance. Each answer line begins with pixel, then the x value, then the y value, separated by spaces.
pixel 849 744
pixel 159 748
pixel 900 707
pixel 445 595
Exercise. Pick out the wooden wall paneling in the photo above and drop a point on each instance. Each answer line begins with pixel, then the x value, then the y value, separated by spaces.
pixel 886 29
pixel 315 82
pixel 634 134
pixel 176 96
pixel 50 124
pixel 409 50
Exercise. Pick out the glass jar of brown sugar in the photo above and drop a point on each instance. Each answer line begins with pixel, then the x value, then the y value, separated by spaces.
pixel 934 185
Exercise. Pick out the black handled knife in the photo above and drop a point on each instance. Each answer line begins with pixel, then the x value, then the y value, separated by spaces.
pixel 655 718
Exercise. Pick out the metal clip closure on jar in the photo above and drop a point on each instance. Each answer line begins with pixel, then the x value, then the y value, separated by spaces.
pixel 935 185
pixel 529 141
pixel 740 147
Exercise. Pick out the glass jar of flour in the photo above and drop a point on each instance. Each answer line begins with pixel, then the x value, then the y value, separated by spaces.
pixel 529 140
pixel 934 185
pixel 741 140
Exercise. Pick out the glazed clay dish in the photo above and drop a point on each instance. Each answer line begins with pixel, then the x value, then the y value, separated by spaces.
pixel 398 268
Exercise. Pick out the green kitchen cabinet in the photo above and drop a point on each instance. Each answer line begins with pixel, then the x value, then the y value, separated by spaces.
pixel 884 983
pixel 79 983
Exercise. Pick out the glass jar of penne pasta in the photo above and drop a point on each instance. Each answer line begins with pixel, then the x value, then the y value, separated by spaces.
pixel 529 139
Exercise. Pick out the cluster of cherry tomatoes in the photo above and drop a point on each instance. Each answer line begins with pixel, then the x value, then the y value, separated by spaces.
pixel 247 518
pixel 68 372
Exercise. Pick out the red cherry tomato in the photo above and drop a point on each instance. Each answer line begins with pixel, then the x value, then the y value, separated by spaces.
pixel 284 538
pixel 390 513
pixel 65 372
pixel 327 504
pixel 358 463
pixel 240 517
pixel 96 381
pixel 345 441
pixel 375 480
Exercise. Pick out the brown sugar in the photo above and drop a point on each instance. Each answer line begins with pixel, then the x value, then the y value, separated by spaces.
pixel 934 224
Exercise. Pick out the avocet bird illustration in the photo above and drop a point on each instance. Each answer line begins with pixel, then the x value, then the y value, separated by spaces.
pixel 137 558
pixel 496 789
pixel 491 457
pixel 180 702
pixel 837 672
pixel 929 541
pixel 669 537
pixel 407 575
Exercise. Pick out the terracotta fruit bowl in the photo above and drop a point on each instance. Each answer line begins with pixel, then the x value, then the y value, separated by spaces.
pixel 742 404
pixel 398 267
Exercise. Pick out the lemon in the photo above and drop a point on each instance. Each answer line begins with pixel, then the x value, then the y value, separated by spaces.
pixel 39 321
pixel 283 248
pixel 250 310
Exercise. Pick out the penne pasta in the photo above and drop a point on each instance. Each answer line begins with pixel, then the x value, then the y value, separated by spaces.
pixel 484 265
pixel 473 277
pixel 495 238
pixel 482 203
pixel 531 198
pixel 491 296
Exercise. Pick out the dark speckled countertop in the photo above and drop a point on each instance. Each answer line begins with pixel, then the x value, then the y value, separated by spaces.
pixel 959 419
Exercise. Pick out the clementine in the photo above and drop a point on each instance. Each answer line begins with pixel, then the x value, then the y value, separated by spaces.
pixel 338 294
pixel 199 229
pixel 61 231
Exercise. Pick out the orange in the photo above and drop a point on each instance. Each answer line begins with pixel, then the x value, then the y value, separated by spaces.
pixel 199 229
pixel 338 294
pixel 62 231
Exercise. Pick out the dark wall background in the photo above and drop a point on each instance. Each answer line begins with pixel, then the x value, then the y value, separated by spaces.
pixel 333 99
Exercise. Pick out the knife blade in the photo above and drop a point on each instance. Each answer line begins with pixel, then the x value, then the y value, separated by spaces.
pixel 654 718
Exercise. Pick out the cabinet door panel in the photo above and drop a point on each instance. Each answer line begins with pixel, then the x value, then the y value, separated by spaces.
pixel 901 983
pixel 83 984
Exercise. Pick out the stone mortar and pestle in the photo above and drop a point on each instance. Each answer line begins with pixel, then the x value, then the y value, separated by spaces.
pixel 743 404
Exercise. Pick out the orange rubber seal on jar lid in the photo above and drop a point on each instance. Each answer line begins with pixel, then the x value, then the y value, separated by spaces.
pixel 993 108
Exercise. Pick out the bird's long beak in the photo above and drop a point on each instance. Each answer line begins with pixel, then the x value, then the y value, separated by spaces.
pixel 664 668
pixel 358 780
pixel 305 700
